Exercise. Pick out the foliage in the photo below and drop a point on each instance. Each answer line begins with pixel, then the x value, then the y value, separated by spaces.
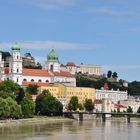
pixel 88 105
pixel 73 104
pixel 48 105
pixel 28 107
pixel 15 109
pixel 4 109
pixel 134 88
pixel 109 74
pixel 129 109
pixel 9 109
pixel 80 106
pixel 9 87
pixel 32 89
pixel 114 75
pixel 98 84
pixel 20 95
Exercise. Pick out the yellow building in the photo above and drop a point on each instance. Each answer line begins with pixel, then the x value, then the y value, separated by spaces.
pixel 61 91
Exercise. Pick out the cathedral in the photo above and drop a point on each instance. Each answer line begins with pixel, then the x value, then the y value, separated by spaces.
pixel 53 72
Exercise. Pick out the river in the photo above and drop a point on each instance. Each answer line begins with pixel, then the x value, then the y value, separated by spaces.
pixel 73 130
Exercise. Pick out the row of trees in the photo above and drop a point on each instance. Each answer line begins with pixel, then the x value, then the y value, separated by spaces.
pixel 111 74
pixel 14 103
pixel 98 84
pixel 74 104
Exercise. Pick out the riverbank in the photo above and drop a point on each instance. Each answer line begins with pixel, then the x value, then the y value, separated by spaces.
pixel 35 120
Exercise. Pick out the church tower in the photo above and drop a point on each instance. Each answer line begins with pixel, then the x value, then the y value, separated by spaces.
pixel 52 63
pixel 15 65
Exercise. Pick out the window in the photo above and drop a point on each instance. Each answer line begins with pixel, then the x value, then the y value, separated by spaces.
pixel 47 81
pixel 32 80
pixel 25 80
pixel 17 80
pixel 39 80
pixel 17 70
pixel 51 68
pixel 17 56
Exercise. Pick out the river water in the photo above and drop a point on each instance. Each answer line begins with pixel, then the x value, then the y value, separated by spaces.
pixel 73 130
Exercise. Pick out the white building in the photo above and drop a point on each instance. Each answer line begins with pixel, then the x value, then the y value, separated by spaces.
pixel 113 95
pixel 22 76
pixel 90 69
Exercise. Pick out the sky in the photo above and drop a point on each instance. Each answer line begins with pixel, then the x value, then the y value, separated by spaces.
pixel 102 32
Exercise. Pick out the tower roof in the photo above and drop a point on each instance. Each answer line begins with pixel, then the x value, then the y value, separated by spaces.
pixel 16 46
pixel 52 55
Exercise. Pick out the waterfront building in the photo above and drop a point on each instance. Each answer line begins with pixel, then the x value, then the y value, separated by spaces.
pixel 133 102
pixel 64 93
pixel 20 75
pixel 113 95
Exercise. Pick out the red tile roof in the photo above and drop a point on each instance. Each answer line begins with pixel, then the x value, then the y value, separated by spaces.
pixel 70 64
pixel 24 83
pixel 35 72
pixel 63 73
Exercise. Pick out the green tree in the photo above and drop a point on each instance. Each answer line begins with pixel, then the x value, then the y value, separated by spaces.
pixel 15 109
pixel 109 74
pixel 9 87
pixel 80 106
pixel 88 105
pixel 129 109
pixel 20 95
pixel 115 75
pixel 4 109
pixel 32 89
pixel 28 107
pixel 73 104
pixel 48 105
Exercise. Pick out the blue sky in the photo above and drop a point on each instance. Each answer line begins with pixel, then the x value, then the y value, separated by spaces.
pixel 104 32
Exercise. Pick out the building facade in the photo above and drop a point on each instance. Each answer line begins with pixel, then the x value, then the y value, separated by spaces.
pixel 64 93
pixel 114 96
pixel 20 75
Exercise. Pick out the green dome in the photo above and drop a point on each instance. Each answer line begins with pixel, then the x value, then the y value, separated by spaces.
pixel 52 55
pixel 16 47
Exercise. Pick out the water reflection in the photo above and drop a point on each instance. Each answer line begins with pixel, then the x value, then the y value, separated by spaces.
pixel 73 130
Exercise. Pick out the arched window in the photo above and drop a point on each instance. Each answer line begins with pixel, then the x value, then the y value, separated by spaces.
pixel 47 81
pixel 24 80
pixel 32 80
pixel 39 80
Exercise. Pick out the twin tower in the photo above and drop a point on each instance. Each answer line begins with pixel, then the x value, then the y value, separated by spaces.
pixel 14 71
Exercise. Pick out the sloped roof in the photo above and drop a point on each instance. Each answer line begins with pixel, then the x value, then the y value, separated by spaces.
pixel 70 64
pixel 35 72
pixel 63 73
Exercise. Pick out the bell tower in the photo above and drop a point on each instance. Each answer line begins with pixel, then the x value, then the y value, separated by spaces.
pixel 15 65
pixel 52 63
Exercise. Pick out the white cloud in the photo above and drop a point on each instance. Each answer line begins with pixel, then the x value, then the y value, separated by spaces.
pixel 108 11
pixel 121 67
pixel 52 4
pixel 43 45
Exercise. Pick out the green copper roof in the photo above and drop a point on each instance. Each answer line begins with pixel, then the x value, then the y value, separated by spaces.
pixel 16 46
pixel 52 55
